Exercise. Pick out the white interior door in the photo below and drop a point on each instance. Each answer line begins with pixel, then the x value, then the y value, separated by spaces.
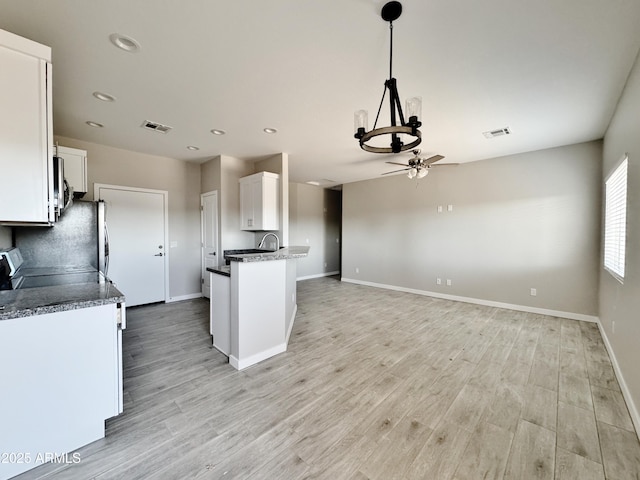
pixel 136 222
pixel 209 228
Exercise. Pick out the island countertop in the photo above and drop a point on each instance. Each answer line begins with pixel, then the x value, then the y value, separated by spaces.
pixel 285 253
pixel 37 301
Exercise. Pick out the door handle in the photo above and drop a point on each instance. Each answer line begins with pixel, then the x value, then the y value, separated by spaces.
pixel 212 253
pixel 158 254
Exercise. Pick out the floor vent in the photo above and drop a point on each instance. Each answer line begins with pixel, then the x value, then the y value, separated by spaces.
pixel 497 133
pixel 156 127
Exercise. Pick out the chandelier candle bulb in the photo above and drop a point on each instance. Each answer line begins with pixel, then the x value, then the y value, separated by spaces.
pixel 413 107
pixel 360 122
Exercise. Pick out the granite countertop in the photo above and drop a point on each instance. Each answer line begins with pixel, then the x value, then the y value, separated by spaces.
pixel 37 301
pixel 285 253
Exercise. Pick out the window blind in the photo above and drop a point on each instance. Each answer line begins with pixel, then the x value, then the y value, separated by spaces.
pixel 615 220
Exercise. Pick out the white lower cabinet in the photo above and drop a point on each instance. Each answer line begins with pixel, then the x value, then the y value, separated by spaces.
pixel 220 317
pixel 60 381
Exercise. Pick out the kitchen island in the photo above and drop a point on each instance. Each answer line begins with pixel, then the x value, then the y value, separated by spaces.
pixel 61 369
pixel 261 304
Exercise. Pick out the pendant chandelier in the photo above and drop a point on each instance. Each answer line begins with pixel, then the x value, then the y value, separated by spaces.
pixel 399 127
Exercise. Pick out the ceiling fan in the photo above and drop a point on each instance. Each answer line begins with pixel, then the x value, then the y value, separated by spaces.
pixel 418 166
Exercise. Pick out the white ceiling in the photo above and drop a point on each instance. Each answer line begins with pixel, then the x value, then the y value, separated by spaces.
pixel 551 70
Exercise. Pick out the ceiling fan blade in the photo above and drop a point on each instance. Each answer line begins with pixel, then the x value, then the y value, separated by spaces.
pixel 396 163
pixel 444 165
pixel 434 159
pixel 396 171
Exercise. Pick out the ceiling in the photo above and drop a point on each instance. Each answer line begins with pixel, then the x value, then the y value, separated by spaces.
pixel 550 70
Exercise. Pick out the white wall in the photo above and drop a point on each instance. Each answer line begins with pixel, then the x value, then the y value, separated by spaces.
pixel 620 303
pixel 315 216
pixel 518 222
pixel 115 166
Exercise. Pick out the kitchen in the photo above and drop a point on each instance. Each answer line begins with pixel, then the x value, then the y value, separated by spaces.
pixel 54 247
pixel 383 215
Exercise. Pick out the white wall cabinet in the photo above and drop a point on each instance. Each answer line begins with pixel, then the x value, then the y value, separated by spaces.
pixel 75 168
pixel 259 201
pixel 25 131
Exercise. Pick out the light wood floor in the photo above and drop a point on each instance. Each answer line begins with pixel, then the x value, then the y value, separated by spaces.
pixel 375 385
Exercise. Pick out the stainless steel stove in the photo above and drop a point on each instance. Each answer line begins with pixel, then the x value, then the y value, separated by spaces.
pixel 25 277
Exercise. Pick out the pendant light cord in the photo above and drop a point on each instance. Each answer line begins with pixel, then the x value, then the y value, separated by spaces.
pixel 391 50
pixel 384 92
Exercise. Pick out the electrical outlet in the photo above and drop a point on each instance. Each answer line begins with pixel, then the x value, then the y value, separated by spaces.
pixel 448 282
pixel 438 281
pixel 534 292
pixel 357 270
pixel 325 264
pixel 613 326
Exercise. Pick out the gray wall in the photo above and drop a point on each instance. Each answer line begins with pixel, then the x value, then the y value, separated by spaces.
pixel 5 237
pixel 278 164
pixel 620 303
pixel 314 214
pixel 222 173
pixel 115 166
pixel 518 222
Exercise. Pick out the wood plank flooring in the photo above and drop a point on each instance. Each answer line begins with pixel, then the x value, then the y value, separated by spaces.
pixel 375 385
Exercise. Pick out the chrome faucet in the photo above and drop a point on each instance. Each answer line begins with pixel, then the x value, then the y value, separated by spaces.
pixel 261 244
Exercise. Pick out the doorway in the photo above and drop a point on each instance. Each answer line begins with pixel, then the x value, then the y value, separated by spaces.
pixel 209 229
pixel 137 232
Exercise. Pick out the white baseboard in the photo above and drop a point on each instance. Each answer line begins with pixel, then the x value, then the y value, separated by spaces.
pixel 180 298
pixel 293 318
pixel 626 393
pixel 318 275
pixel 479 301
pixel 256 358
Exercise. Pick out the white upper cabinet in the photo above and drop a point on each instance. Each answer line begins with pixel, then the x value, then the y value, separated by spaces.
pixel 259 201
pixel 25 131
pixel 75 168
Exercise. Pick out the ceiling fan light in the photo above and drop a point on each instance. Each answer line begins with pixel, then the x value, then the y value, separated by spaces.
pixel 423 172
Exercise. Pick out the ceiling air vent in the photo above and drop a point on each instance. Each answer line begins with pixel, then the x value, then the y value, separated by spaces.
pixel 156 127
pixel 497 133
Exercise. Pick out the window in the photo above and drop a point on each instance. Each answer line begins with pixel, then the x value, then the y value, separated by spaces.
pixel 615 219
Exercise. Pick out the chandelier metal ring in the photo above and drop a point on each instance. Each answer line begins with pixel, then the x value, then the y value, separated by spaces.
pixel 390 131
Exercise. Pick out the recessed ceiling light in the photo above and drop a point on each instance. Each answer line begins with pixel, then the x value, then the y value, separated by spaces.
pixel 94 124
pixel 270 130
pixel 125 43
pixel 215 131
pixel 105 97
pixel 192 147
